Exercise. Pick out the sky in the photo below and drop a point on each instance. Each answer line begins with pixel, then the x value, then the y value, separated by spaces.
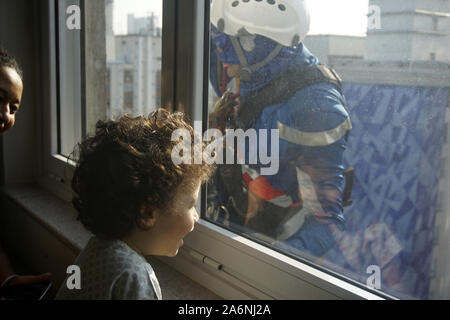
pixel 139 8
pixel 345 17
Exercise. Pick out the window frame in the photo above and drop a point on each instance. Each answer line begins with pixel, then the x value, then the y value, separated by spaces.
pixel 220 260
pixel 55 168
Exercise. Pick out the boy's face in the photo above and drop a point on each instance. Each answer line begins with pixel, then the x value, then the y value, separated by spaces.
pixel 174 225
pixel 11 88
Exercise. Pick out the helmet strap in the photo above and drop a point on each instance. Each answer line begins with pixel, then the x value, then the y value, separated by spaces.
pixel 246 70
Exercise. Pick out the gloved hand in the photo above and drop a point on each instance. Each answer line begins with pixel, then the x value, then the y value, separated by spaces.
pixel 224 112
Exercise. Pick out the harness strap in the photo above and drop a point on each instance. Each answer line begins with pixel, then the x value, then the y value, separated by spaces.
pixel 284 87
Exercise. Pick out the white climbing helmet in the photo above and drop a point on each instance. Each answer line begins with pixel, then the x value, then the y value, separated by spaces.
pixel 284 21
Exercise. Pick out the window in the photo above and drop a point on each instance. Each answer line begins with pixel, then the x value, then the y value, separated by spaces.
pixel 108 90
pixel 435 24
pixel 394 239
pixel 87 47
pixel 388 240
pixel 127 57
pixel 128 88
pixel 69 81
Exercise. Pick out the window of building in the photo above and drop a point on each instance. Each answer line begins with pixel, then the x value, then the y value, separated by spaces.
pixel 435 23
pixel 108 90
pixel 128 92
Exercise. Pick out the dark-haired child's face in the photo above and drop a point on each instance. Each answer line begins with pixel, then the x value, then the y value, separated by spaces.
pixel 11 89
pixel 174 225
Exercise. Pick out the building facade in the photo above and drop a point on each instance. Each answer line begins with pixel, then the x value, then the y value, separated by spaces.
pixel 413 30
pixel 417 30
pixel 134 66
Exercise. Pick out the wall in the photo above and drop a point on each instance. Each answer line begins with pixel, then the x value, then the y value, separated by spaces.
pixel 35 247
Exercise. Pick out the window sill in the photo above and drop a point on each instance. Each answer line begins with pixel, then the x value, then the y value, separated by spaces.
pixel 58 218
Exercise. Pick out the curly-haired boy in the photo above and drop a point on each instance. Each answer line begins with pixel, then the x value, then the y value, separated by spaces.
pixel 136 201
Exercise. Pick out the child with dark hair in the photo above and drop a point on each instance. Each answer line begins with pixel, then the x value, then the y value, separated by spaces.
pixel 136 201
pixel 11 88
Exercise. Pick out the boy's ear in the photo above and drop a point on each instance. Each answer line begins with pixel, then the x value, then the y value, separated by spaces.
pixel 148 217
pixel 147 223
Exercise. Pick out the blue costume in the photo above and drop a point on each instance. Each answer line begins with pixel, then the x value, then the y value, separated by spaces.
pixel 313 124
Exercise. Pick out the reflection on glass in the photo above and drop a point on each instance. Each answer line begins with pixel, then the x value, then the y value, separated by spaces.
pixel 360 182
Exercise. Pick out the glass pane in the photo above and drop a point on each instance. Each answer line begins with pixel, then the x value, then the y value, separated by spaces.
pixel 133 51
pixel 122 71
pixel 356 185
pixel 69 78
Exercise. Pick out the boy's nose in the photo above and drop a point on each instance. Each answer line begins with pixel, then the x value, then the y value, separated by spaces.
pixel 3 115
pixel 6 119
pixel 4 110
pixel 196 217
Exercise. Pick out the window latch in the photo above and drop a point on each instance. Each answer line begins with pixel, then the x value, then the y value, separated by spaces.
pixel 206 260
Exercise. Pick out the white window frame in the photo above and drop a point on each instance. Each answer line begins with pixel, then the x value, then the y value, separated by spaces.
pixel 55 169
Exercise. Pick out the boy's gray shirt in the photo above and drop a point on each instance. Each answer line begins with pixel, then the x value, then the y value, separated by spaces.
pixel 111 270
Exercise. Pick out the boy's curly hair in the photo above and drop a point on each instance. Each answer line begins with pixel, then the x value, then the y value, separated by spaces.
pixel 9 61
pixel 126 167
